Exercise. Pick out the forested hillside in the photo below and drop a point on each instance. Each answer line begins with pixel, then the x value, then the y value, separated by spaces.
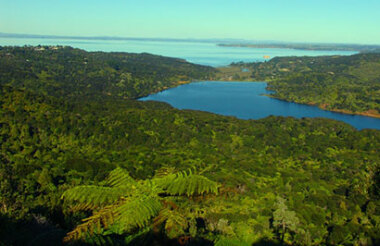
pixel 79 75
pixel 348 84
pixel 144 173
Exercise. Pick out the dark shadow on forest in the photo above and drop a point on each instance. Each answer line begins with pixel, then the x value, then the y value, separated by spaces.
pixel 265 242
pixel 34 233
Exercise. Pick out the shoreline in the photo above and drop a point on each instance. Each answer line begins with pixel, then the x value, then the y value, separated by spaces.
pixel 344 111
pixel 175 84
pixel 341 111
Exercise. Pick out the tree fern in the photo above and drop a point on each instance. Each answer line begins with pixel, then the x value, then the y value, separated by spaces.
pixel 135 212
pixel 94 224
pixel 118 218
pixel 124 204
pixel 185 183
pixel 120 178
pixel 189 184
pixel 91 196
pixel 223 241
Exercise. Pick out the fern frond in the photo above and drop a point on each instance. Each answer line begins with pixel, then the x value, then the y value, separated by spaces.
pixel 223 241
pixel 120 218
pixel 192 184
pixel 136 212
pixel 119 177
pixel 93 225
pixel 125 204
pixel 91 196
pixel 184 183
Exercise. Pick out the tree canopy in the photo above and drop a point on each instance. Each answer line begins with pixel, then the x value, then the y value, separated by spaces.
pixel 347 84
pixel 130 172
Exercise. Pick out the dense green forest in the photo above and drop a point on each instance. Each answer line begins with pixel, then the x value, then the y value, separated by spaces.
pixel 348 84
pixel 115 171
pixel 77 74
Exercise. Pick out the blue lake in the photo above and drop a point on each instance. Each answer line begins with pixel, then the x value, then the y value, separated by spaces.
pixel 245 100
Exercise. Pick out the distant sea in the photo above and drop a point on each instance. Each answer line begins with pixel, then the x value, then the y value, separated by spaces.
pixel 205 53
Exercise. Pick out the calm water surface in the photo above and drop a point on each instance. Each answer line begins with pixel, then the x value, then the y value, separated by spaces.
pixel 245 100
pixel 196 52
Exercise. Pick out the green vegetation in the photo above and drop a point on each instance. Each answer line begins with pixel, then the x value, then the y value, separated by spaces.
pixel 78 75
pixel 347 84
pixel 108 170
pixel 125 204
pixel 233 73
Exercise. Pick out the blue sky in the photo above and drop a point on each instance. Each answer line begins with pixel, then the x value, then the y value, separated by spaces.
pixel 336 21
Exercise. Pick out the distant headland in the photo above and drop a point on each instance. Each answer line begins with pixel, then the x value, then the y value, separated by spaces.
pixel 227 42
pixel 363 48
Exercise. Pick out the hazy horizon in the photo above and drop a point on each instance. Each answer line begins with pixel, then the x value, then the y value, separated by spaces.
pixel 322 21
pixel 193 39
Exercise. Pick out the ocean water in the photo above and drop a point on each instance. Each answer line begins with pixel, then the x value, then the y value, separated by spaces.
pixel 196 52
pixel 245 100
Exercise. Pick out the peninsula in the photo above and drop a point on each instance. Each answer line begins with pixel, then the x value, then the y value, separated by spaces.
pixel 345 84
pixel 363 48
